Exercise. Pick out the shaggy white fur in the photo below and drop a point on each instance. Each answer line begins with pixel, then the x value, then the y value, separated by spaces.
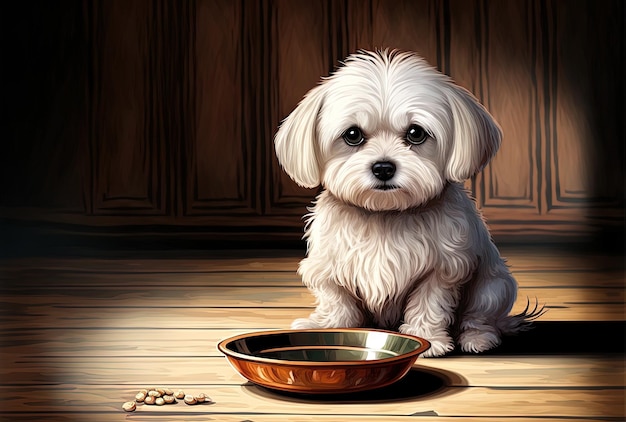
pixel 406 250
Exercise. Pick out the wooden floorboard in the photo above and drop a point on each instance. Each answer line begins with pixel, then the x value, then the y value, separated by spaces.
pixel 234 399
pixel 79 336
pixel 61 279
pixel 565 304
pixel 458 371
pixel 115 416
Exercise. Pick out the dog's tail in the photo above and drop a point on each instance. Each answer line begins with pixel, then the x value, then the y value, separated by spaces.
pixel 513 324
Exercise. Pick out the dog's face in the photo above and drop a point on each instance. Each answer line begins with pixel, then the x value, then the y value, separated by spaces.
pixel 386 132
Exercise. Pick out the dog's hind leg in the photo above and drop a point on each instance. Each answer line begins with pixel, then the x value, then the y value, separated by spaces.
pixel 488 299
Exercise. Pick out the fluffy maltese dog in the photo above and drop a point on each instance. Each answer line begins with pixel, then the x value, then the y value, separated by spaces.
pixel 394 241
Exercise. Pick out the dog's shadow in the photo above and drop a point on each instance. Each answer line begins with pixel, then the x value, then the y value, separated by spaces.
pixel 418 383
pixel 565 338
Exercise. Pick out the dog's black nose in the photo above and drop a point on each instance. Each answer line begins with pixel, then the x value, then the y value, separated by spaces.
pixel 384 170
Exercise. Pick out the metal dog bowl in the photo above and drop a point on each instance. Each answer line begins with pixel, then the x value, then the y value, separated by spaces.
pixel 337 360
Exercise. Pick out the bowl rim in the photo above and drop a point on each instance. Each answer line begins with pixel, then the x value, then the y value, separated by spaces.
pixel 222 347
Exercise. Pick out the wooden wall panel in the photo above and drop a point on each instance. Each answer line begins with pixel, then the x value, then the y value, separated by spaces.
pixel 414 25
pixel 127 145
pixel 587 85
pixel 43 121
pixel 216 164
pixel 510 90
pixel 164 112
pixel 302 39
pixel 463 52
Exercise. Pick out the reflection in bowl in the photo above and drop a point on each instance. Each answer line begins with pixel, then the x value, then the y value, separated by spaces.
pixel 323 361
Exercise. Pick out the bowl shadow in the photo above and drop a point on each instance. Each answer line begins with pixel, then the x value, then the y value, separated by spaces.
pixel 418 383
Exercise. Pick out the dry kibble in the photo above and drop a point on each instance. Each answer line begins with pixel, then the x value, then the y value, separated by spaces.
pixel 162 396
pixel 129 406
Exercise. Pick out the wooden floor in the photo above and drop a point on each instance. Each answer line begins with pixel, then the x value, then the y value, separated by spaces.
pixel 81 336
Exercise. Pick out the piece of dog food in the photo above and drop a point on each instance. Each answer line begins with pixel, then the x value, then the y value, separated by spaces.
pixel 180 394
pixel 150 400
pixel 129 406
pixel 189 399
pixel 140 397
pixel 154 393
pixel 201 398
pixel 159 401
pixel 168 392
pixel 169 399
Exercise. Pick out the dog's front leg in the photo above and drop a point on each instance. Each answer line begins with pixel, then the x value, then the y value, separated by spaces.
pixel 335 309
pixel 429 312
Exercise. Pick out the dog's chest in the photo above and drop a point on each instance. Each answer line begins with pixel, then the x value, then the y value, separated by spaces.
pixel 376 257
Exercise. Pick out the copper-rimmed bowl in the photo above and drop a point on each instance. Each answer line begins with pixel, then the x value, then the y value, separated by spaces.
pixel 325 360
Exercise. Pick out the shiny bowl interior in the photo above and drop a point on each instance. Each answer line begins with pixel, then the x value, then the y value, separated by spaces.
pixel 324 360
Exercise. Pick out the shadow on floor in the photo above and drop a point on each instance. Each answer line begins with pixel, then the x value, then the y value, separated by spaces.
pixel 564 338
pixel 418 383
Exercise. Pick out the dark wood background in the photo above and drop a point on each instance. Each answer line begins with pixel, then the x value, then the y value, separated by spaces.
pixel 156 118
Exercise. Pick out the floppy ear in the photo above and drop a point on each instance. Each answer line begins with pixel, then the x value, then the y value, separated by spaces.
pixel 476 136
pixel 295 141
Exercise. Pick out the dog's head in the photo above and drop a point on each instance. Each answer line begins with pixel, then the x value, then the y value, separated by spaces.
pixel 386 132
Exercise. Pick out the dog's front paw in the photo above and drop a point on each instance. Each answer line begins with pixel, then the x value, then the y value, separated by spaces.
pixel 476 341
pixel 303 324
pixel 439 347
pixel 440 342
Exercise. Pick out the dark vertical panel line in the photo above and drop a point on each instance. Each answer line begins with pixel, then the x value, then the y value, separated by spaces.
pixel 332 35
pixel 535 29
pixel 371 23
pixel 96 138
pixel 193 194
pixel 476 180
pixel 487 94
pixel 150 35
pixel 547 81
pixel 483 57
pixel 553 99
pixel 244 191
pixel 338 21
pixel 529 36
pixel 438 31
pixel 446 36
pixel 264 101
pixel 184 148
pixel 345 46
pixel 169 126
pixel 88 29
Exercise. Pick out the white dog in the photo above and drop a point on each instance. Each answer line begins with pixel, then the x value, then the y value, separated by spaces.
pixel 394 241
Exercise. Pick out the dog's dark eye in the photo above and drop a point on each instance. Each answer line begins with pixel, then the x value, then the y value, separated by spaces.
pixel 353 136
pixel 416 135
